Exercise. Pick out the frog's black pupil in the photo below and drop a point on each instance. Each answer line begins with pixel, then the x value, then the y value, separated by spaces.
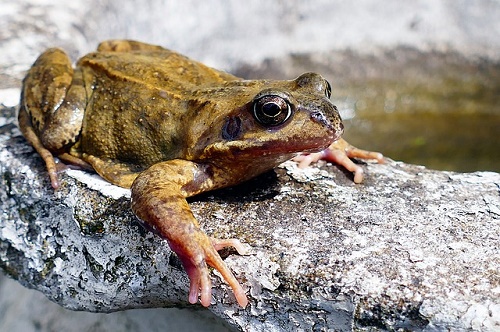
pixel 271 109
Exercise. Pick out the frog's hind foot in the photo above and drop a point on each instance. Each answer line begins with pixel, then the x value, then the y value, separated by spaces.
pixel 34 140
pixel 75 162
pixel 200 283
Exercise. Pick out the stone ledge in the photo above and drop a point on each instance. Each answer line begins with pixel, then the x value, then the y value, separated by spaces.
pixel 409 248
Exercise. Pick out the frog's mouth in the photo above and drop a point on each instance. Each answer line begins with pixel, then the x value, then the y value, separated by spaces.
pixel 277 147
pixel 298 144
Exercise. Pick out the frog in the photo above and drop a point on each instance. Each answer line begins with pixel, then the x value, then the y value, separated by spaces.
pixel 168 127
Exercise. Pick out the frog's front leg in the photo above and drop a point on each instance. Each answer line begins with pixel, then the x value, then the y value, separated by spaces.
pixel 159 199
pixel 340 152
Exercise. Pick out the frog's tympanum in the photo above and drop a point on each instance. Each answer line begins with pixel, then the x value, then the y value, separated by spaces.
pixel 168 127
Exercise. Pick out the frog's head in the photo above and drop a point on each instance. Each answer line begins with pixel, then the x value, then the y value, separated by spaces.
pixel 273 119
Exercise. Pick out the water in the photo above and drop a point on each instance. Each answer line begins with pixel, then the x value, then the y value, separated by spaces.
pixel 458 142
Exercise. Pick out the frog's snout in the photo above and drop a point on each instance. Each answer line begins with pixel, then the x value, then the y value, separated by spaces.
pixel 339 132
pixel 328 116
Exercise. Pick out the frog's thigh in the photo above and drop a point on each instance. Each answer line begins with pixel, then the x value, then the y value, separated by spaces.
pixel 64 125
pixel 126 46
pixel 54 97
pixel 45 85
pixel 119 174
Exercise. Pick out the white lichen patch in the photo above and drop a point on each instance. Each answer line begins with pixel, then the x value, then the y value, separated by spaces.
pixel 304 174
pixel 95 182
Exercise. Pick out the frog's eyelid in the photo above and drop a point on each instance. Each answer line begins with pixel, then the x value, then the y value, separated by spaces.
pixel 270 92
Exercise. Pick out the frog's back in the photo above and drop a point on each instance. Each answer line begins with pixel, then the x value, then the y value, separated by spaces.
pixel 163 68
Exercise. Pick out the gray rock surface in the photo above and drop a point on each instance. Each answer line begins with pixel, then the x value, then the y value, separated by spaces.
pixel 408 248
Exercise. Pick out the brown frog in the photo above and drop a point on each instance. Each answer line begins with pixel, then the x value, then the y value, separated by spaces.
pixel 168 127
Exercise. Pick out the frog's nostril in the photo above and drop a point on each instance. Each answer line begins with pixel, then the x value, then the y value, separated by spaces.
pixel 328 116
pixel 320 117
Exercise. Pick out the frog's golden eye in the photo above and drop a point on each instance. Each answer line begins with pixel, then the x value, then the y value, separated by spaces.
pixel 271 110
pixel 328 90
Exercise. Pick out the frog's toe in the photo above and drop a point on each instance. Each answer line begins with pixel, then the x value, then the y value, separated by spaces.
pixel 205 290
pixel 364 154
pixel 307 159
pixel 220 244
pixel 353 152
pixel 195 259
pixel 194 287
pixel 340 152
pixel 214 260
pixel 200 284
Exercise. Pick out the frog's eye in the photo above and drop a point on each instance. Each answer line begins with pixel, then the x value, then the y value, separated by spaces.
pixel 271 110
pixel 328 90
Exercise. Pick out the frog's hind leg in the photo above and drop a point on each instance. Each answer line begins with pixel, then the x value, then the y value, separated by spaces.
pixel 34 140
pixel 45 86
pixel 120 174
pixel 54 98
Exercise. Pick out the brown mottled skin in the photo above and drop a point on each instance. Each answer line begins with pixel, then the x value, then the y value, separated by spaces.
pixel 168 127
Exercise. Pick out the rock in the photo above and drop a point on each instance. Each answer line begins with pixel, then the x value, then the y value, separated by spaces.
pixel 409 248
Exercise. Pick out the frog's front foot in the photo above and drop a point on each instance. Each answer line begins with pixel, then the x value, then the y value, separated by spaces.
pixel 158 198
pixel 340 152
pixel 195 255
